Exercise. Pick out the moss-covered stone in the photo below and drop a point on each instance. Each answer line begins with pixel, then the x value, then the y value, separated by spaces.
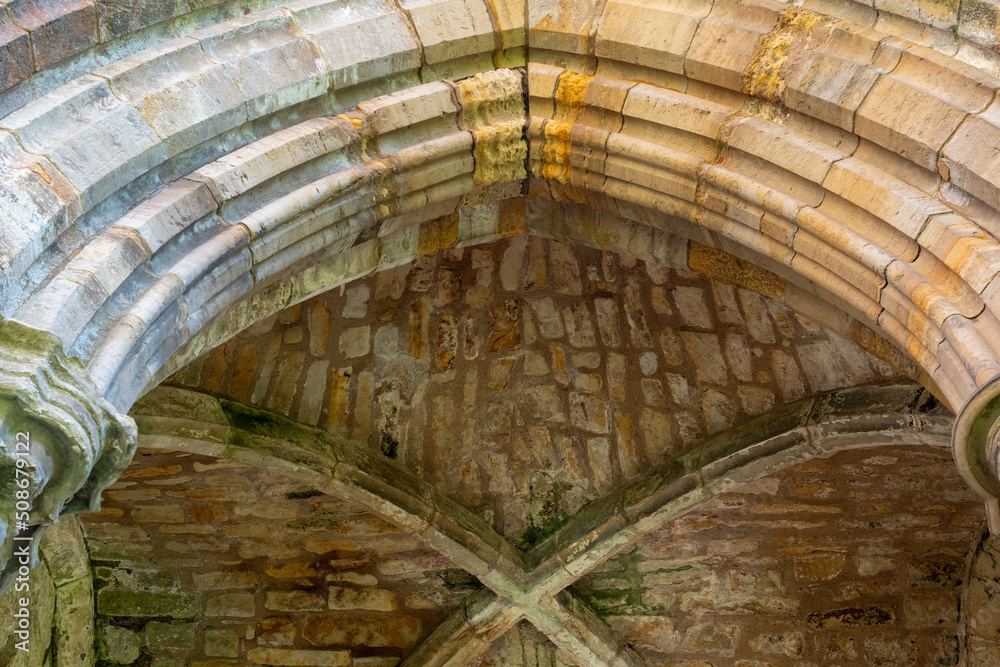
pixel 41 596
pixel 166 662
pixel 64 551
pixel 73 622
pixel 222 643
pixel 112 602
pixel 169 635
pixel 117 645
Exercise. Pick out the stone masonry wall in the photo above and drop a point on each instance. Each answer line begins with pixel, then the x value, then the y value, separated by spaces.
pixel 208 563
pixel 859 559
pixel 529 376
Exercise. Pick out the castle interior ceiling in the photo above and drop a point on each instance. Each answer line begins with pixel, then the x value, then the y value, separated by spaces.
pixel 414 333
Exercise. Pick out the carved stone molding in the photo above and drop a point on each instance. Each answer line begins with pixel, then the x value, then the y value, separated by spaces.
pixel 61 444
pixel 976 447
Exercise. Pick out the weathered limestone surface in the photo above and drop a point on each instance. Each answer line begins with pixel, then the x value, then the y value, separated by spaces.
pixel 60 603
pixel 174 173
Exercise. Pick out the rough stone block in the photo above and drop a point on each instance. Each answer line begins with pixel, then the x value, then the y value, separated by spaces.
pixel 118 645
pixel 15 53
pixel 222 643
pixel 112 602
pixel 204 581
pixel 359 629
pixel 170 635
pixel 271 63
pixel 967 165
pixel 168 213
pixel 450 29
pixel 362 41
pixel 97 142
pixel 828 88
pixel 59 28
pixel 720 53
pixel 559 26
pixel 907 121
pixel 372 599
pixel 653 35
pixel 294 601
pixel 240 605
pixel 116 18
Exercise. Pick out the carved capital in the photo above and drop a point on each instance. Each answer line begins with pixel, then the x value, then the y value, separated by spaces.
pixel 61 444
pixel 975 444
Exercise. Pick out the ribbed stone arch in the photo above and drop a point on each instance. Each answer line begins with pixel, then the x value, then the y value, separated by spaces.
pixel 173 174
pixel 818 143
pixel 533 586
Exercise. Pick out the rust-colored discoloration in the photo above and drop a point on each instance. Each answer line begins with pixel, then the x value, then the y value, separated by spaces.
pixel 734 271
pixel 38 169
pixel 557 131
pixel 879 346
pixel 793 35
pixel 340 386
pixel 493 110
pixel 437 235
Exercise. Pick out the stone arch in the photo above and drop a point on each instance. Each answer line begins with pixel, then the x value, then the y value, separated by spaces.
pixel 531 586
pixel 135 227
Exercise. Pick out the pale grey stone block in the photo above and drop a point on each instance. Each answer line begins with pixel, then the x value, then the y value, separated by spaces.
pixel 110 257
pixel 166 214
pixel 273 65
pixel 362 41
pixel 229 269
pixel 451 29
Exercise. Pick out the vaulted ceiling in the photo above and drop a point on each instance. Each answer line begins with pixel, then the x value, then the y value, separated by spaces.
pixel 461 332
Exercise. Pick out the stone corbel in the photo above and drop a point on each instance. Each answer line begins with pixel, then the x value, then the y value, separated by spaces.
pixel 975 444
pixel 61 444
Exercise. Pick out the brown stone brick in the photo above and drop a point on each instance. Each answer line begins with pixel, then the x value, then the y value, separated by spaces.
pixel 447 341
pixel 154 471
pixel 207 513
pixel 294 601
pixel 500 373
pixel 159 514
pixel 224 579
pixel 290 570
pixel 819 567
pixel 359 629
pixel 239 605
pixel 276 631
pixel 505 334
pixel 340 387
pixel 371 599
pixel 419 343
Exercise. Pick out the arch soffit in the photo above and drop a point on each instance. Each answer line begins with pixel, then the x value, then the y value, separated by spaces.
pixel 533 585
